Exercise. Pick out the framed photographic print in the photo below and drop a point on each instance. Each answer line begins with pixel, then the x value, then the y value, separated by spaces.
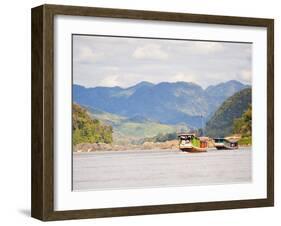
pixel 142 112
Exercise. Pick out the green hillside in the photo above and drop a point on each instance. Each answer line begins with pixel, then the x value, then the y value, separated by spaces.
pixel 221 124
pixel 88 130
pixel 162 137
pixel 133 129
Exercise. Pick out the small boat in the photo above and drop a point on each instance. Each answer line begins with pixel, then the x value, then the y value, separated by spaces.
pixel 219 143
pixel 191 143
pixel 231 143
pixel 226 143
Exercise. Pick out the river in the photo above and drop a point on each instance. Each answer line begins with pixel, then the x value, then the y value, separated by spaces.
pixel 159 168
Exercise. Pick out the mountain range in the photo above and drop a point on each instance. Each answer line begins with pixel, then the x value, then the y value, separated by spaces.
pixel 167 103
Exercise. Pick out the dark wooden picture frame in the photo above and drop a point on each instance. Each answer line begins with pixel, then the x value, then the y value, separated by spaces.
pixel 42 203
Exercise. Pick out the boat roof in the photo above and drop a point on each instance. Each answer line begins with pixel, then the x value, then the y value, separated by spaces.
pixel 186 134
pixel 204 138
pixel 232 138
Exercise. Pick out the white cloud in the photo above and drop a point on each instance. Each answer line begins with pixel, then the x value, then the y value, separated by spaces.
pixel 207 47
pixel 87 55
pixel 112 61
pixel 184 77
pixel 246 75
pixel 151 52
pixel 110 80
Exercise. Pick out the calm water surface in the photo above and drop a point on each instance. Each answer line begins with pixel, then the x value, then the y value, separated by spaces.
pixel 159 168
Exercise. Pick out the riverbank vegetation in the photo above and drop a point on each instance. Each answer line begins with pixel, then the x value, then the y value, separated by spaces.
pixel 88 130
pixel 243 126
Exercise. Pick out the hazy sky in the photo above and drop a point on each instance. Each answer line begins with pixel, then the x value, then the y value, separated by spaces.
pixel 114 61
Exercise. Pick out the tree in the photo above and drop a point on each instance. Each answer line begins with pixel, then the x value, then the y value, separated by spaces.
pixel 243 126
pixel 88 130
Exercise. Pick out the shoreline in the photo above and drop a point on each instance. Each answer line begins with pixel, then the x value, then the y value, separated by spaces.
pixel 142 148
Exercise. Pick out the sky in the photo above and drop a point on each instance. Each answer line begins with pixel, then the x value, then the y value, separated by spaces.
pixel 118 61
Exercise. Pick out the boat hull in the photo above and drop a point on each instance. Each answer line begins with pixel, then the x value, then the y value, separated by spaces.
pixel 219 146
pixel 193 149
pixel 230 148
pixel 224 147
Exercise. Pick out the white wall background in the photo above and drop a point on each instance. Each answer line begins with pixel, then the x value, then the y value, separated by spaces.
pixel 15 112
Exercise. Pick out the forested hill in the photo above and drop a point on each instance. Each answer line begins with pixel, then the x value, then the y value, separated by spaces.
pixel 88 130
pixel 221 123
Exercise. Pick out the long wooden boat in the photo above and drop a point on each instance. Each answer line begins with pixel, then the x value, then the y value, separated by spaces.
pixel 229 143
pixel 191 143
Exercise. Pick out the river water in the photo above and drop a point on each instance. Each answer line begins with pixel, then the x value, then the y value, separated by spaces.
pixel 159 168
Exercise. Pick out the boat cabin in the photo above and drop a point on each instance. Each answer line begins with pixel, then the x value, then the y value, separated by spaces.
pixel 203 142
pixel 219 143
pixel 187 140
pixel 218 140
pixel 186 137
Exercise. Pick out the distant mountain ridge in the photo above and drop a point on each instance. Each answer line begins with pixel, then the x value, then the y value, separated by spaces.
pixel 219 92
pixel 169 103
